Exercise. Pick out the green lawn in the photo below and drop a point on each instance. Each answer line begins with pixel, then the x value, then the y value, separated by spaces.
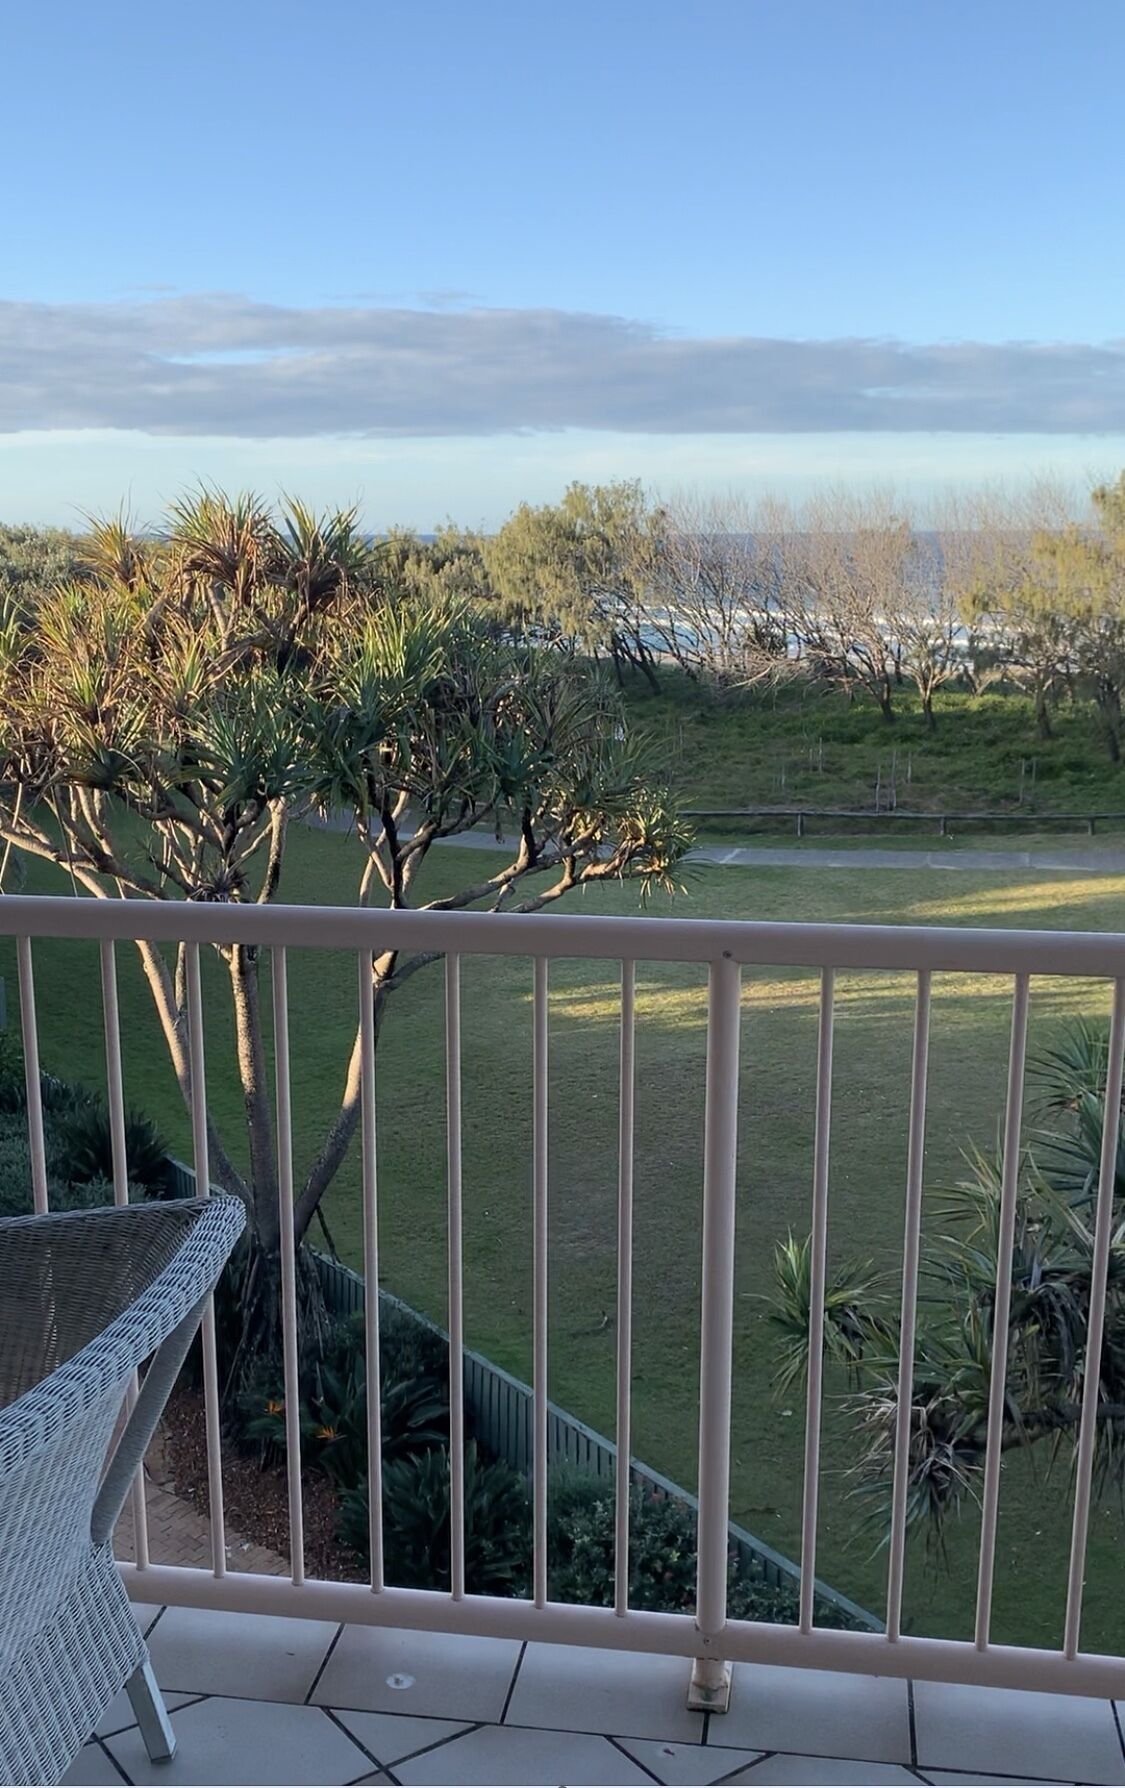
pixel 868 1169
pixel 806 744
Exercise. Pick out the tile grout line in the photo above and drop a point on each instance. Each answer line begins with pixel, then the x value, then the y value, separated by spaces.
pixel 315 1684
pixel 512 1684
pixel 1117 1723
pixel 635 1761
pixel 910 1718
pixel 450 1739
pixel 743 1769
pixel 106 1752
pixel 357 1742
pixel 192 1701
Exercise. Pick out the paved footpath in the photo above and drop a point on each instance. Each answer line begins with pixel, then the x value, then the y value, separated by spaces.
pixel 755 856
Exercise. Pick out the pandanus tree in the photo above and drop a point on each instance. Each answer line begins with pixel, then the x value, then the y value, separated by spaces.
pixel 1047 1364
pixel 168 714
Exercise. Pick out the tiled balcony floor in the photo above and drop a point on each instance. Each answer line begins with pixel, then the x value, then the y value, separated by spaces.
pixel 259 1700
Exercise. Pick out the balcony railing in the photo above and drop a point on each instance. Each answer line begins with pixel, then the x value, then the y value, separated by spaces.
pixel 709 1637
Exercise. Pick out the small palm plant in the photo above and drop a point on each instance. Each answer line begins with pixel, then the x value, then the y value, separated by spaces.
pixel 1046 1339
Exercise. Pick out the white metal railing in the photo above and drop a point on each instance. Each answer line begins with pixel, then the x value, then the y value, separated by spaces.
pixel 708 1638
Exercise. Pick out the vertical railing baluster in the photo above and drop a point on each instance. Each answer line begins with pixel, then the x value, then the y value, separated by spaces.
pixel 288 1253
pixel 202 1161
pixel 908 1320
pixel 111 1021
pixel 1001 1309
pixel 710 1677
pixel 817 1275
pixel 539 1270
pixel 371 1269
pixel 1095 1324
pixel 626 1103
pixel 456 1277
pixel 30 1032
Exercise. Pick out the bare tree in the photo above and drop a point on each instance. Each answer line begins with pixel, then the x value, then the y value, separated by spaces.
pixel 713 582
pixel 848 566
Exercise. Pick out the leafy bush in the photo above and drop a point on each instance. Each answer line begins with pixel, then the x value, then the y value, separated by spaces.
pixel 15 1172
pixel 414 1411
pixel 581 1546
pixel 417 1524
pixel 86 1139
pixel 407 1348
pixel 662 1557
pixel 13 1090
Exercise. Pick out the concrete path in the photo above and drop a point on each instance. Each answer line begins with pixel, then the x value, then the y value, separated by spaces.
pixel 755 856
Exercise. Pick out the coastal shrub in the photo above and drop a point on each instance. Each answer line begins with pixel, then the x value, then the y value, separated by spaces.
pixel 582 1537
pixel 416 1524
pixel 414 1409
pixel 85 1137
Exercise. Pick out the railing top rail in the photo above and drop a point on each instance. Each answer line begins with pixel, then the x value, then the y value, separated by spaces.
pixel 954 949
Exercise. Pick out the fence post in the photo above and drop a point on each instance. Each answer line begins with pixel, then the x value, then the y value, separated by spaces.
pixel 710 1678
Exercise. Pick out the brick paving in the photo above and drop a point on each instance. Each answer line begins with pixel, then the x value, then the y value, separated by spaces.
pixel 180 1534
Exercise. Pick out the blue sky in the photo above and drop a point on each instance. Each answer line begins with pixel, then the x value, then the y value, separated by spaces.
pixel 435 257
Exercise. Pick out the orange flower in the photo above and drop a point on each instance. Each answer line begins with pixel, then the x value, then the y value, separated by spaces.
pixel 275 1409
pixel 326 1434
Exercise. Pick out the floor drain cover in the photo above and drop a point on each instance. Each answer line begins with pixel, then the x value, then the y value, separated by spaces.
pixel 398 1681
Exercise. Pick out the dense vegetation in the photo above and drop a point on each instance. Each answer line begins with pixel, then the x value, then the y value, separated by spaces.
pixel 168 710
pixel 414 1415
pixel 871 1097
pixel 806 744
pixel 179 700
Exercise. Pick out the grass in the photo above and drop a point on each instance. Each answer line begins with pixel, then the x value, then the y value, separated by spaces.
pixel 871 1089
pixel 806 744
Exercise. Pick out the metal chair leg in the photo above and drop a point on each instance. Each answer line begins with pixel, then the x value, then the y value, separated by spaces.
pixel 152 1716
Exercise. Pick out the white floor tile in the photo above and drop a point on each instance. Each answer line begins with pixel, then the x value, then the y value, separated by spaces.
pixel 145 1613
pixel 119 1713
pixel 953 1777
pixel 686 1766
pixel 773 1708
pixel 390 1736
pixel 805 1772
pixel 499 1756
pixel 250 1744
pixel 257 1656
pixel 1011 1732
pixel 91 1769
pixel 451 1676
pixel 576 1689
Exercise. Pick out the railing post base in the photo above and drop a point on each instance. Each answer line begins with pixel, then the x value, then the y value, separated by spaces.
pixel 709 1689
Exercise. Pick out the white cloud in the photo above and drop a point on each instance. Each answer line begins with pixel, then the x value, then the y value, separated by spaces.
pixel 217 365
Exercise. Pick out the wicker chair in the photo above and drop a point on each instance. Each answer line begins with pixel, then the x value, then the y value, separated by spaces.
pixel 85 1299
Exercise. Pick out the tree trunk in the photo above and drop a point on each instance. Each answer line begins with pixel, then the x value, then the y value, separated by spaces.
pixel 928 710
pixel 645 661
pixel 1042 715
pixel 255 1094
pixel 1110 705
pixel 338 1141
pixel 886 707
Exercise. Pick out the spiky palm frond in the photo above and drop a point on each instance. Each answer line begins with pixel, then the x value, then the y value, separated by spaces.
pixel 227 542
pixel 1072 1068
pixel 856 1316
pixel 320 557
